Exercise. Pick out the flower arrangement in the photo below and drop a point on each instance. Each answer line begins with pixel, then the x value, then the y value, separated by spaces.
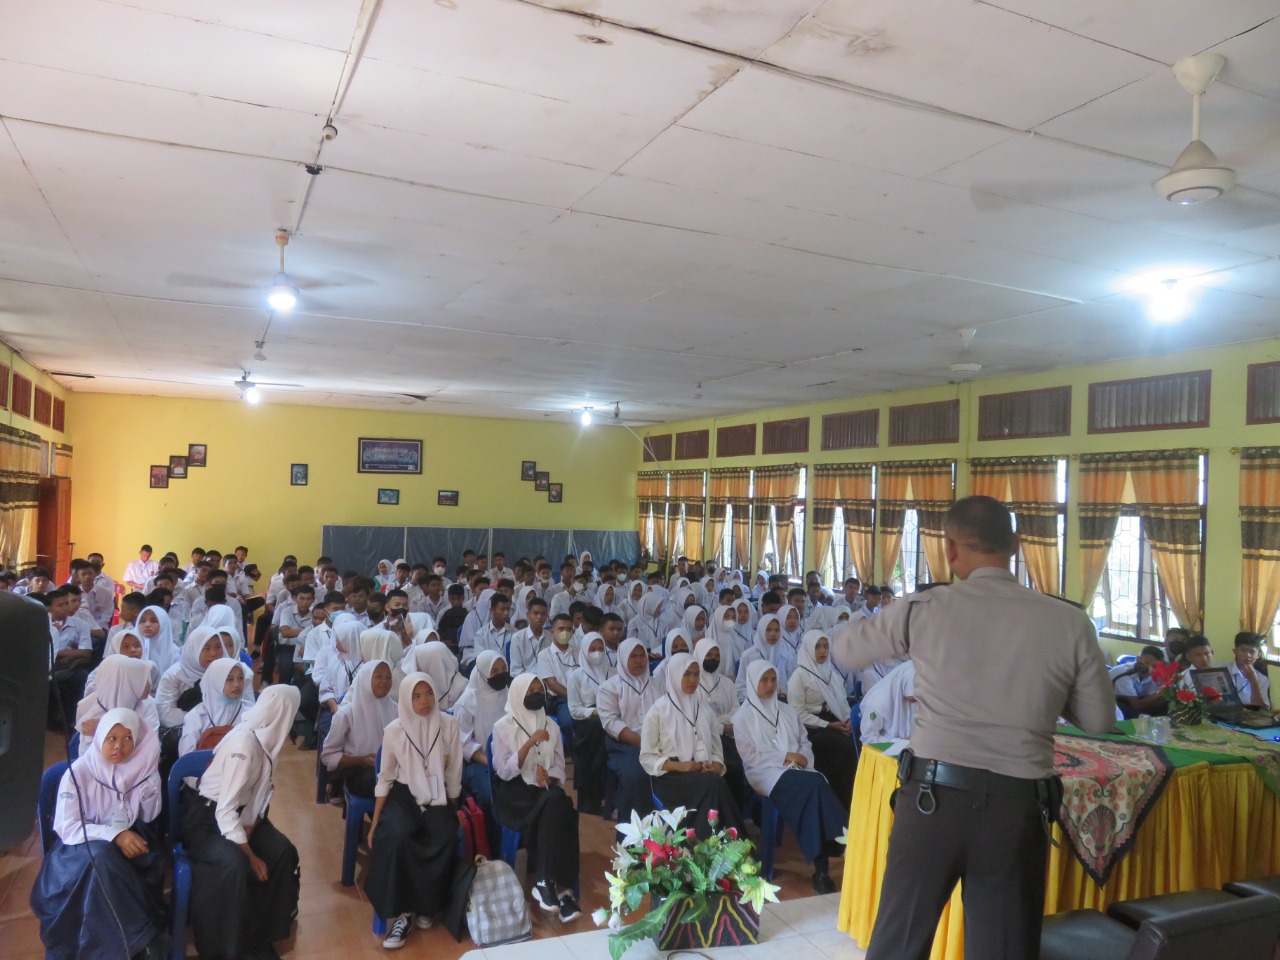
pixel 1186 707
pixel 680 873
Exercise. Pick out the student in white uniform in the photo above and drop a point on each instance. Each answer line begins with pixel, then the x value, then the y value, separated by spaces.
pixel 226 693
pixel 590 762
pixel 122 682
pixel 816 691
pixel 177 693
pixel 532 640
pixel 889 710
pixel 646 626
pixel 554 666
pixel 351 747
pixel 779 765
pixel 434 657
pixel 769 646
pixel 481 705
pixel 621 703
pixel 1252 685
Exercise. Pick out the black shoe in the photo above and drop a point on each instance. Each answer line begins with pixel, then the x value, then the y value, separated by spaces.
pixel 822 883
pixel 569 909
pixel 545 894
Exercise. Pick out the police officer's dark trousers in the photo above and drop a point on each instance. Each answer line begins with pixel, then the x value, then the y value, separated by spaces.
pixel 995 845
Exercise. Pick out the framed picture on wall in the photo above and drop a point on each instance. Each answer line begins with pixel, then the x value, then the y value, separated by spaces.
pixel 447 498
pixel 388 498
pixel 389 456
pixel 528 468
pixel 178 468
pixel 297 474
pixel 159 476
pixel 197 455
pixel 541 479
pixel 555 493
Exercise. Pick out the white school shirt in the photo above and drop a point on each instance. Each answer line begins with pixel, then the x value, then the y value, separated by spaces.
pixel 140 571
pixel 72 635
pixel 1243 687
pixel 525 648
pixel 492 638
pixel 554 664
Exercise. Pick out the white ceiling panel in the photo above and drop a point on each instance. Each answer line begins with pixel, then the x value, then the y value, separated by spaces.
pixel 958 56
pixel 769 107
pixel 744 27
pixel 1251 58
pixel 524 48
pixel 323 23
pixel 1162 29
pixel 192 56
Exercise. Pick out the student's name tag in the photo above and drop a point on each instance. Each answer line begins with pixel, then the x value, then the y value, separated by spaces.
pixel 120 818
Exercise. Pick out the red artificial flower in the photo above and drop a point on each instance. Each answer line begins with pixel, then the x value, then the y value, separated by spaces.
pixel 1211 694
pixel 1186 696
pixel 733 832
pixel 690 834
pixel 660 852
pixel 1165 674
pixel 713 815
pixel 725 885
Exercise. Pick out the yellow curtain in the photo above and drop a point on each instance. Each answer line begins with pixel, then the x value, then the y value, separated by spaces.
pixel 1029 486
pixel 786 489
pixel 933 489
pixel 824 499
pixel 685 510
pixel 894 481
pixel 1260 537
pixel 859 520
pixel 693 524
pixel 719 488
pixel 1102 480
pixel 775 487
pixel 1166 487
pixel 651 493
pixel 19 496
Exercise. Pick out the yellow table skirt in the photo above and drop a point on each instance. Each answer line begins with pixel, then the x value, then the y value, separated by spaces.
pixel 1212 824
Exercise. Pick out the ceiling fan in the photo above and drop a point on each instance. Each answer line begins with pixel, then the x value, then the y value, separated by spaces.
pixel 249 391
pixel 1197 175
pixel 282 284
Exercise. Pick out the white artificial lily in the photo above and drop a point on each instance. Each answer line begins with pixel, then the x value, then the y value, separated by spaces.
pixel 632 833
pixel 672 818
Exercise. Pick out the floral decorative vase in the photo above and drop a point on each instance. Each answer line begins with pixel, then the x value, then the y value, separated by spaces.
pixel 727 923
pixel 1187 714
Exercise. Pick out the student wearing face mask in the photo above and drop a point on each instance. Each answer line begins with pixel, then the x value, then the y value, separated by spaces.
pixel 554 666
pixel 590 770
pixel 481 705
pixel 575 591
pixel 528 795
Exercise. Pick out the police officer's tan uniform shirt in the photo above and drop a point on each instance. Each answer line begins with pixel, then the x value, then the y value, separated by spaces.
pixel 996 665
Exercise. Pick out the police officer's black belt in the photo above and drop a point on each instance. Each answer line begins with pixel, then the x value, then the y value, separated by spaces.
pixel 970 778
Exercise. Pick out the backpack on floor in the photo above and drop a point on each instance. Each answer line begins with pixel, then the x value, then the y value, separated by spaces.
pixel 497 912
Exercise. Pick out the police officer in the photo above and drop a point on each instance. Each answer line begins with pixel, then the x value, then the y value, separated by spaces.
pixel 996 665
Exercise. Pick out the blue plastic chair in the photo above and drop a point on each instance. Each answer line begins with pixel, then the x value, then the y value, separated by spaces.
pixel 73 747
pixel 47 803
pixel 193 764
pixel 247 659
pixel 1126 658
pixel 357 809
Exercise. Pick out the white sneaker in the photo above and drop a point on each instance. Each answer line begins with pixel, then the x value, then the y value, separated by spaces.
pixel 423 922
pixel 398 932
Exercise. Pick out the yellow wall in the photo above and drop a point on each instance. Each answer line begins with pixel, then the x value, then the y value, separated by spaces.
pixel 244 495
pixel 1227 431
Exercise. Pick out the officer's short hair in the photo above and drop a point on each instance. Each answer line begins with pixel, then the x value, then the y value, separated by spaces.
pixel 982 524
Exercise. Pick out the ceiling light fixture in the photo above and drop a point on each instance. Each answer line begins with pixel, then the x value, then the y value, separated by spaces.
pixel 251 395
pixel 1168 303
pixel 282 295
pixel 258 354
pixel 586 417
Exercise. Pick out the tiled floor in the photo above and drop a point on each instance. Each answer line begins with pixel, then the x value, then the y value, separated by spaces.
pixel 334 921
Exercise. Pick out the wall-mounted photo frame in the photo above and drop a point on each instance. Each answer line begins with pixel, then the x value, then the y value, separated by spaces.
pixel 298 474
pixel 447 498
pixel 178 468
pixel 383 455
pixel 388 498
pixel 159 476
pixel 528 469
pixel 541 479
pixel 197 455
pixel 555 493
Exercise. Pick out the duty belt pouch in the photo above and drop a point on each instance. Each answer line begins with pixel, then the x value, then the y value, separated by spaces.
pixel 1051 792
pixel 905 759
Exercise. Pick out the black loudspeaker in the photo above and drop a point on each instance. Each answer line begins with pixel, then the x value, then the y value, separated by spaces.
pixel 24 704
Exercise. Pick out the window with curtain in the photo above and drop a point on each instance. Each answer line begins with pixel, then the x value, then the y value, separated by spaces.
pixel 1035 490
pixel 843 503
pixel 776 491
pixel 926 487
pixel 1260 544
pixel 1142 525
pixel 20 453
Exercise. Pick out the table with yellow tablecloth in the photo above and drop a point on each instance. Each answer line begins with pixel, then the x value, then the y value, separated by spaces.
pixel 1215 821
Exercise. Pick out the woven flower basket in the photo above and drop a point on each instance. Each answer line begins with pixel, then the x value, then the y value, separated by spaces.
pixel 727 924
pixel 1187 714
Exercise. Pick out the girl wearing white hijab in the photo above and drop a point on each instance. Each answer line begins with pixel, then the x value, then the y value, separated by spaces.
pixel 226 694
pixel 779 765
pixel 244 872
pixel 386 573
pixel 889 710
pixel 414 836
pixel 744 629
pixel 816 691
pixel 590 762
pixel 156 630
pixel 629 607
pixel 356 733
pixel 721 695
pixel 695 623
pixel 528 794
pixel 379 644
pixel 677 641
pixel 520 608
pixel 481 705
pixel 646 626
pixel 122 683
pixel 768 646
pixel 792 627
pixel 128 643
pixel 676 609
pixel 435 658
pixel 607 599
pixel 476 619
pixel 680 749
pixel 621 703
pixel 721 628
pixel 761 585
pixel 222 618
pixel 335 669
pixel 179 686
pixel 107 800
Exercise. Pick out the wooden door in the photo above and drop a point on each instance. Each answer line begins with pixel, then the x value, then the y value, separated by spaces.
pixel 53 527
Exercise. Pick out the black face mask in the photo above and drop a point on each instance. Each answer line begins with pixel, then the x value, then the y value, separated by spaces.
pixel 711 664
pixel 535 701
pixel 500 681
